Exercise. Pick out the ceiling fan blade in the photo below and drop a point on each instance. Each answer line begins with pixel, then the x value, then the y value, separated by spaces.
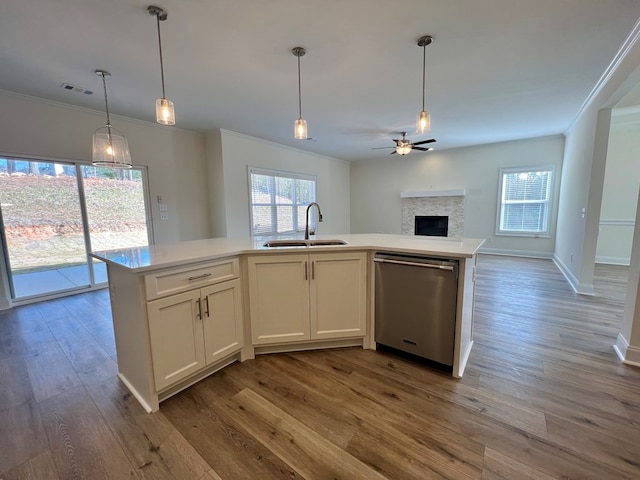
pixel 421 149
pixel 392 152
pixel 378 148
pixel 396 140
pixel 431 140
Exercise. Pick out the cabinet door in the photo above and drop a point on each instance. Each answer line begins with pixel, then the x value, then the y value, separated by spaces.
pixel 177 344
pixel 338 295
pixel 279 298
pixel 222 305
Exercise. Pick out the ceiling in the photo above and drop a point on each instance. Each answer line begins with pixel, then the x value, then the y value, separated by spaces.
pixel 497 70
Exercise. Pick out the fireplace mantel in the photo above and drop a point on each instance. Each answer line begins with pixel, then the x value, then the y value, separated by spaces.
pixel 459 192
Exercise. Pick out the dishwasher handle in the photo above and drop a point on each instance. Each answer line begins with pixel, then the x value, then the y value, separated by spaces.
pixel 415 264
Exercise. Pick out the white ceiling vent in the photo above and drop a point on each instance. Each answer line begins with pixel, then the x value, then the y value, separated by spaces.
pixel 75 88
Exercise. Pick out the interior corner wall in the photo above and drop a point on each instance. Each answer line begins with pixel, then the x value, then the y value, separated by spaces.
pixel 175 158
pixel 216 187
pixel 583 174
pixel 621 182
pixel 241 151
pixel 376 206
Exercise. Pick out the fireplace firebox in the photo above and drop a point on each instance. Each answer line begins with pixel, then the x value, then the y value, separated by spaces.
pixel 432 225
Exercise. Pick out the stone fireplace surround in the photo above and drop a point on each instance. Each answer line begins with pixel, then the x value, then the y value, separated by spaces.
pixel 434 202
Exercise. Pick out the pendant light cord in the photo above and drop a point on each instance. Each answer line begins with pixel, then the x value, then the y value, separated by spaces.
pixel 299 91
pixel 106 101
pixel 160 49
pixel 424 61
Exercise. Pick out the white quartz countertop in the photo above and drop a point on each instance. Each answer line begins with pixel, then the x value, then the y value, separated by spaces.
pixel 141 259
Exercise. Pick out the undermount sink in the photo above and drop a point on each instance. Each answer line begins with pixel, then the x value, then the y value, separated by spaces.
pixel 302 243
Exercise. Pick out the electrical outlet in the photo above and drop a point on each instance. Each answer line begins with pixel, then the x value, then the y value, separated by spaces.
pixel 164 216
pixel 163 207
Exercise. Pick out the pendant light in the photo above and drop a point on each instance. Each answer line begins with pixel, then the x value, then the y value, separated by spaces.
pixel 165 114
pixel 424 119
pixel 110 147
pixel 300 127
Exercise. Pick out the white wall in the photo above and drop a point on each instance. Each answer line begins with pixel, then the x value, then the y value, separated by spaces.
pixel 241 151
pixel 621 183
pixel 215 177
pixel 376 186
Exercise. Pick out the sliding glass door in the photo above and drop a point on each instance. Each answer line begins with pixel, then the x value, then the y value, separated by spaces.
pixel 116 211
pixel 53 214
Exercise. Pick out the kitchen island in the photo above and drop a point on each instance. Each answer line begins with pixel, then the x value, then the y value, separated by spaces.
pixel 183 311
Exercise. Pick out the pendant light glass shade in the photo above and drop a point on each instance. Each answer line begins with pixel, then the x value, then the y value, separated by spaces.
pixel 423 124
pixel 165 113
pixel 300 131
pixel 110 147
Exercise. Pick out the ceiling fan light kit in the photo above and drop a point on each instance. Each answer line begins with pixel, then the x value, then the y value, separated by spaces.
pixel 165 112
pixel 424 118
pixel 110 146
pixel 404 146
pixel 300 131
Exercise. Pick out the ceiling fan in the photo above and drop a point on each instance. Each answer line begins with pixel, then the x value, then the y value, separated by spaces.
pixel 404 146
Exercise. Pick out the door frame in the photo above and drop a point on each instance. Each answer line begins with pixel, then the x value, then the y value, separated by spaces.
pixel 6 285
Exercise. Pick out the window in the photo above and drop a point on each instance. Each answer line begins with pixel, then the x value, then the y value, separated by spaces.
pixel 524 201
pixel 279 201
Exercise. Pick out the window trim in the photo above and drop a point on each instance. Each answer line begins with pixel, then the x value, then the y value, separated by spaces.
pixel 549 201
pixel 276 173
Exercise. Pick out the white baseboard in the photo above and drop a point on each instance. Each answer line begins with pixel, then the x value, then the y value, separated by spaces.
pixel 581 288
pixel 628 354
pixel 614 260
pixel 140 398
pixel 515 253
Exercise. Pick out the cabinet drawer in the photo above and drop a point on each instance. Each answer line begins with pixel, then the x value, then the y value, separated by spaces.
pixel 177 280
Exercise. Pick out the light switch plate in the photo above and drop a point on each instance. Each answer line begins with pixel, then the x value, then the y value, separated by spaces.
pixel 163 207
pixel 164 216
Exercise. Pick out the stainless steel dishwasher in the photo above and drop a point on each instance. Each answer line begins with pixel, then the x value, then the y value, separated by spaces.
pixel 415 305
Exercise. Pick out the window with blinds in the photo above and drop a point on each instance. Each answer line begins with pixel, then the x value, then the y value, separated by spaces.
pixel 279 201
pixel 525 201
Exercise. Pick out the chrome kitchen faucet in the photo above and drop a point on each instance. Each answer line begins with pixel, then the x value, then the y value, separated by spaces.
pixel 306 228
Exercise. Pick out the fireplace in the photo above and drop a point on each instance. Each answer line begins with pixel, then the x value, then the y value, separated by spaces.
pixel 434 204
pixel 432 225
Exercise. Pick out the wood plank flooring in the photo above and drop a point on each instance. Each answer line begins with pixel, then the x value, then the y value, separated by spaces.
pixel 544 397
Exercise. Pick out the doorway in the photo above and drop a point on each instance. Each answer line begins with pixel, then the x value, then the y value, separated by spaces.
pixel 53 214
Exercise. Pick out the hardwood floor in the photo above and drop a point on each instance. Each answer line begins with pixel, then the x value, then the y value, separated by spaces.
pixel 543 397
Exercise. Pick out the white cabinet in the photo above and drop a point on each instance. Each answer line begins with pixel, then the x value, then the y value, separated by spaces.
pixel 338 295
pixel 301 297
pixel 194 329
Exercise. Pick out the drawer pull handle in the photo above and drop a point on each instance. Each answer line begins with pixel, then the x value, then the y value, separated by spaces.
pixel 198 277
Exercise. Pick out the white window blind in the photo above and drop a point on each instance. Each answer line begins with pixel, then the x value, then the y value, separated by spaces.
pixel 525 199
pixel 279 201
